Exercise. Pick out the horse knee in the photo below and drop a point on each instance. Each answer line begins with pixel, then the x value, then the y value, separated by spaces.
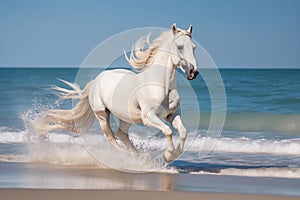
pixel 146 120
pixel 167 131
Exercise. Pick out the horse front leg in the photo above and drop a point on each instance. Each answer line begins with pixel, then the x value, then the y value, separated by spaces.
pixel 152 120
pixel 176 122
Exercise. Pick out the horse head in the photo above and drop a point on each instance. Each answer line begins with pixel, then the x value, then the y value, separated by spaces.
pixel 183 52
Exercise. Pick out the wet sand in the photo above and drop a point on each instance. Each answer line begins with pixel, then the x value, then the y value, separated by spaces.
pixel 45 194
pixel 44 181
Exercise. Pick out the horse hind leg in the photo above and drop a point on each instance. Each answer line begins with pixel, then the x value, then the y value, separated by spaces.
pixel 123 136
pixel 104 121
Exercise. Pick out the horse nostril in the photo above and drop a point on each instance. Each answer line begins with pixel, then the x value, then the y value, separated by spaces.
pixel 191 71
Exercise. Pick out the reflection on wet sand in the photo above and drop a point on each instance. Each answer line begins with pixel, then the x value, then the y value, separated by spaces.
pixel 21 175
pixel 166 182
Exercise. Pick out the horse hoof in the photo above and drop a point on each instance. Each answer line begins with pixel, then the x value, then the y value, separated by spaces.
pixel 168 156
pixel 166 159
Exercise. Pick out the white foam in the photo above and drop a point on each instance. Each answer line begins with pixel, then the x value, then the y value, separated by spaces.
pixel 261 172
pixel 92 150
pixel 8 135
pixel 65 149
pixel 102 151
pixel 246 145
pixel 66 154
pixel 242 145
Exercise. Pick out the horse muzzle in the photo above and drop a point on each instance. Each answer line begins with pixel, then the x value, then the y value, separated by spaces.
pixel 189 69
pixel 192 74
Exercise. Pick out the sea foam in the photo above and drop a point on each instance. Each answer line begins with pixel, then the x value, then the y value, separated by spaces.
pixel 222 144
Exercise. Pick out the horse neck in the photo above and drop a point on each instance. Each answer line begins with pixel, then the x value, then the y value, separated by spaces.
pixel 163 67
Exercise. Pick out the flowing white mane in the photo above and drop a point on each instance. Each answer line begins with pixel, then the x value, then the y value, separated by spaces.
pixel 143 51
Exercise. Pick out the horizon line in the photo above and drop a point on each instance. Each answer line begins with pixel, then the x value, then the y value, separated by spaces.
pixel 128 66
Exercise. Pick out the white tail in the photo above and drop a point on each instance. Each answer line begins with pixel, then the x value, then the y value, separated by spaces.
pixel 78 119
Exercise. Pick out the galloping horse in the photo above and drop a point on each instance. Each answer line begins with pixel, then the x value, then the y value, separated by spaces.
pixel 145 97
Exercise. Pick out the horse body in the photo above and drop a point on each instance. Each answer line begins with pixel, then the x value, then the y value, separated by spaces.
pixel 108 86
pixel 145 98
pixel 127 95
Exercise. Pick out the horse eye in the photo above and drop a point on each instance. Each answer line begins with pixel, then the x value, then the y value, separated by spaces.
pixel 180 47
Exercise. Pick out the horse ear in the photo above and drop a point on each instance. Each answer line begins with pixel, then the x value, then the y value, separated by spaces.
pixel 190 29
pixel 174 28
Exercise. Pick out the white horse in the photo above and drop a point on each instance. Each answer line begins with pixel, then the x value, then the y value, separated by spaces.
pixel 145 97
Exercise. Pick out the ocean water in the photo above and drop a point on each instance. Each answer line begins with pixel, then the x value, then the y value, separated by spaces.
pixel 261 134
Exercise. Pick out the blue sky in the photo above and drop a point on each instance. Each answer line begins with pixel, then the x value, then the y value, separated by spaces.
pixel 236 33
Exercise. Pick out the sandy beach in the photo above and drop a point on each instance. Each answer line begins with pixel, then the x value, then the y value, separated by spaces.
pixel 46 194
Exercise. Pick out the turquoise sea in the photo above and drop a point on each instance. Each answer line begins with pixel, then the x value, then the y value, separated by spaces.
pixel 261 135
